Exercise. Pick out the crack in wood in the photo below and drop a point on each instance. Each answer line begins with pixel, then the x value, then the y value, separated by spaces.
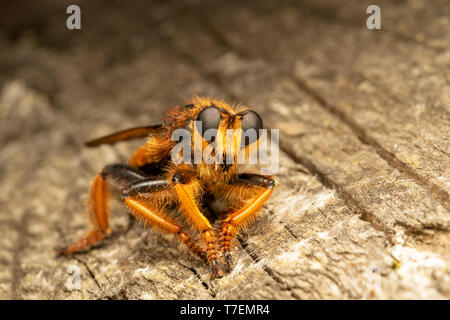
pixel 288 229
pixel 90 272
pixel 209 289
pixel 438 193
pixel 266 268
pixel 422 231
pixel 348 199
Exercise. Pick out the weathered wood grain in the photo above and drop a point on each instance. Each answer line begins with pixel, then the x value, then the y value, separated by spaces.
pixel 348 81
pixel 361 208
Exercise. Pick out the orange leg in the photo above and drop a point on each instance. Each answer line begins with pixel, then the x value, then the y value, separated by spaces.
pixel 98 211
pixel 163 224
pixel 185 190
pixel 146 208
pixel 134 183
pixel 239 219
pixel 98 205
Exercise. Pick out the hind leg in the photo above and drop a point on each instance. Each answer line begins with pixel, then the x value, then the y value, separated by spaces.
pixel 134 184
pixel 98 206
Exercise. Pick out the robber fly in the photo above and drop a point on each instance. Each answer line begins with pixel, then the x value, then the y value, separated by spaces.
pixel 152 184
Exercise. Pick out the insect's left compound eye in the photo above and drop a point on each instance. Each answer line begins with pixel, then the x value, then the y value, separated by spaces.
pixel 251 123
pixel 210 120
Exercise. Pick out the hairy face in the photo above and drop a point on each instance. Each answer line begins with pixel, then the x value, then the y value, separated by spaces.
pixel 226 132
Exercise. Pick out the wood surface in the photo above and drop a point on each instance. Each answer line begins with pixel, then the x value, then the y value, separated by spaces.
pixel 361 207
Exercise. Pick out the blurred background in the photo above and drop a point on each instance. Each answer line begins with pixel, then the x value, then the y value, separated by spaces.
pixel 361 208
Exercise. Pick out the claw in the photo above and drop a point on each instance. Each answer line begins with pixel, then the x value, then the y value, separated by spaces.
pixel 216 271
pixel 60 251
pixel 228 260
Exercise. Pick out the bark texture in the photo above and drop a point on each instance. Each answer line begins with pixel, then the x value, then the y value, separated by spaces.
pixel 361 207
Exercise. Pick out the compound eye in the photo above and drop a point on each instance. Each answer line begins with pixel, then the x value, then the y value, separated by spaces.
pixel 251 123
pixel 210 120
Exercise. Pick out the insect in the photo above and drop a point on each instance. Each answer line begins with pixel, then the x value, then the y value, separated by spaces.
pixel 153 184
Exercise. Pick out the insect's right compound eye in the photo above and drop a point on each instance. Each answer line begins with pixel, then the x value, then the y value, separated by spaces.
pixel 210 120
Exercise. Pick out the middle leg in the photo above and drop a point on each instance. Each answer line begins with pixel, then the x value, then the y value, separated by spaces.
pixel 145 199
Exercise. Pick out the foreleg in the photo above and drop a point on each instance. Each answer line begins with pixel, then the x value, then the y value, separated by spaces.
pixel 259 185
pixel 186 187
